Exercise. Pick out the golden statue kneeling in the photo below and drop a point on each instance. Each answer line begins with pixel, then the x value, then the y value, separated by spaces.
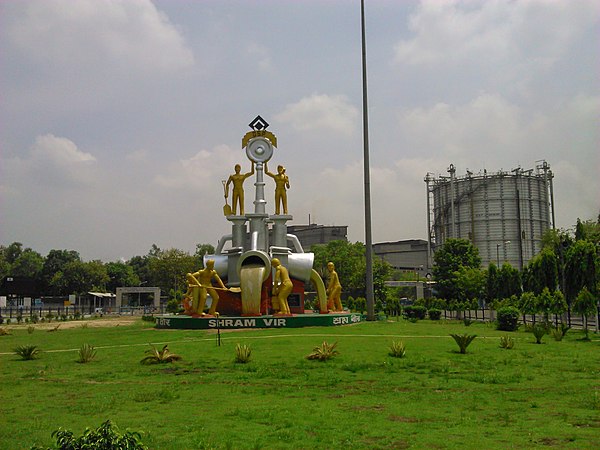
pixel 282 287
pixel 199 285
pixel 334 290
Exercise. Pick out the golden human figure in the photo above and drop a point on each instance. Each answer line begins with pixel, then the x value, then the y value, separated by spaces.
pixel 200 284
pixel 282 183
pixel 334 290
pixel 237 179
pixel 282 287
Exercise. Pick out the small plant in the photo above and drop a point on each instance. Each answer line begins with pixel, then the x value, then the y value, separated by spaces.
pixel 242 353
pixel 323 352
pixel 34 319
pixel 435 314
pixel 559 332
pixel 160 356
pixel 86 353
pixel 30 329
pixel 507 342
pixel 397 349
pixel 27 352
pixel 105 436
pixel 4 331
pixel 463 341
pixel 19 318
pixel 539 330
pixel 84 325
pixel 49 317
pixel 467 322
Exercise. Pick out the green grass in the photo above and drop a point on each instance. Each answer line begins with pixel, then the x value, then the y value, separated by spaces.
pixel 544 396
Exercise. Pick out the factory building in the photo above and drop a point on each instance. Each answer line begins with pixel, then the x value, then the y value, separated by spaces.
pixel 312 234
pixel 504 214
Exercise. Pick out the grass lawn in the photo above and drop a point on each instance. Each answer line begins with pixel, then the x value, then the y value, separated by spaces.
pixel 545 396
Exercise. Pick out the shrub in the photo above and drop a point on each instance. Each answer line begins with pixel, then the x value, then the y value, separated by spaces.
pixel 174 306
pixel 435 314
pixel 397 349
pixel 148 318
pixel 560 331
pixel 508 318
pixel 468 322
pixel 160 356
pixel 507 342
pixel 30 329
pixel 415 312
pixel 27 352
pixel 105 437
pixel 323 352
pixel 539 330
pixel 86 353
pixel 242 353
pixel 4 331
pixel 463 341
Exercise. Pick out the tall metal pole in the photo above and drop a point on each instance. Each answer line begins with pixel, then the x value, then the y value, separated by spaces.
pixel 367 176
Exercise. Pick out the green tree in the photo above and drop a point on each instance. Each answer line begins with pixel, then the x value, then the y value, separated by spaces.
pixel 79 277
pixel 141 268
pixel 448 260
pixel 509 281
pixel 542 271
pixel 4 264
pixel 586 304
pixel 204 249
pixel 470 284
pixel 55 262
pixel 350 265
pixel 528 304
pixel 29 263
pixel 559 305
pixel 168 268
pixel 492 283
pixel 12 252
pixel 120 274
pixel 582 268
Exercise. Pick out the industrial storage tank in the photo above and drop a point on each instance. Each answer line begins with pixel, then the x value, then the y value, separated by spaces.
pixel 504 214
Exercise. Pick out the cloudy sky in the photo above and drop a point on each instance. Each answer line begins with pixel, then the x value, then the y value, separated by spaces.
pixel 119 119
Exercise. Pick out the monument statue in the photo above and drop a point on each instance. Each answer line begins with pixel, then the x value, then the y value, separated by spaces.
pixel 282 183
pixel 282 287
pixel 334 290
pixel 200 284
pixel 237 179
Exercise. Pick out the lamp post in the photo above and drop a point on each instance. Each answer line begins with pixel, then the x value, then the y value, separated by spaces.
pixel 498 252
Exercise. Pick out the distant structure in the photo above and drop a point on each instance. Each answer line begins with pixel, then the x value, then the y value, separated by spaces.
pixel 409 255
pixel 504 214
pixel 318 234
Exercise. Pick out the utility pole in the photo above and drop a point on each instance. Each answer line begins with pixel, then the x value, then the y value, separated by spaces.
pixel 367 175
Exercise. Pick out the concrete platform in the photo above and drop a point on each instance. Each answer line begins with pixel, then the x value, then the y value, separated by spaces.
pixel 175 322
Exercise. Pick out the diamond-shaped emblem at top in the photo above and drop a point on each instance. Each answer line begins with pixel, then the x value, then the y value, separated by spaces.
pixel 259 124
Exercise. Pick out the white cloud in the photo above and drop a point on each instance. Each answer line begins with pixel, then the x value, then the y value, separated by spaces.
pixel 321 112
pixel 488 125
pixel 456 31
pixel 52 162
pixel 90 34
pixel 260 55
pixel 203 170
